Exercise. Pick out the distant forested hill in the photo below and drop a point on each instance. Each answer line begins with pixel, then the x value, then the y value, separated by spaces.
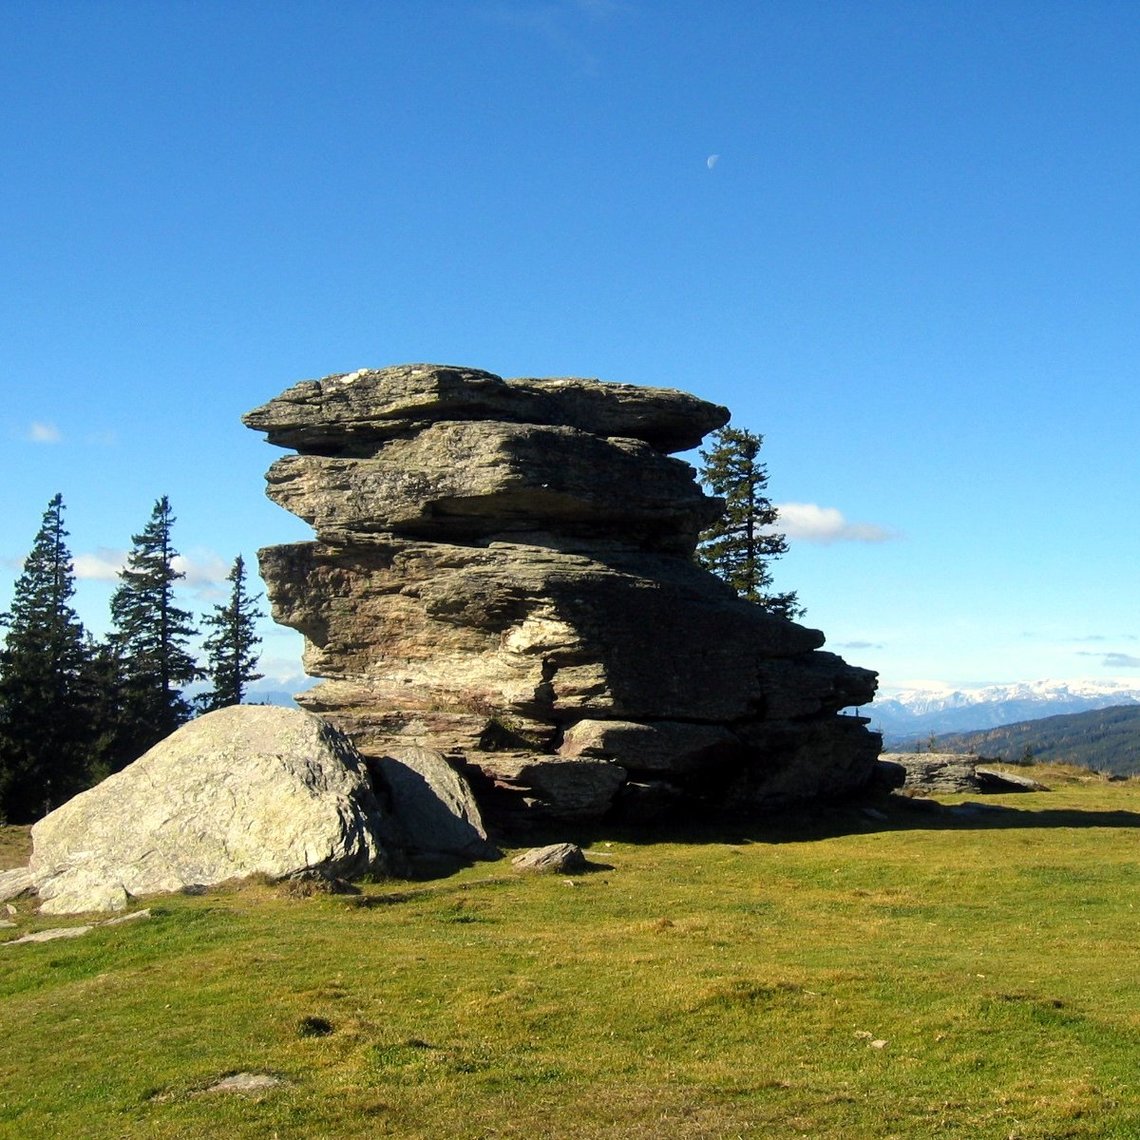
pixel 1106 740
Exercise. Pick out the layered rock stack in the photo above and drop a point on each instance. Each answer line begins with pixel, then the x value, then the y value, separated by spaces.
pixel 503 572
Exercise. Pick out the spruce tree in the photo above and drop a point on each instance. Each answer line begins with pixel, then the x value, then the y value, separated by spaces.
pixel 231 650
pixel 151 634
pixel 110 726
pixel 44 682
pixel 740 544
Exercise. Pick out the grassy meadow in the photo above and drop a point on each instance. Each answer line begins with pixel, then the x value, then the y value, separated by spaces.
pixel 824 974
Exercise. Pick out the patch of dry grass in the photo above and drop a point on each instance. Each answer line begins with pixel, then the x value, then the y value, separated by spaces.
pixel 15 846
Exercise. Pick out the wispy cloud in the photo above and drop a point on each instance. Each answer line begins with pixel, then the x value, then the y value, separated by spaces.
pixel 564 26
pixel 43 432
pixel 1104 637
pixel 1112 660
pixel 203 569
pixel 808 522
pixel 283 672
pixel 101 566
pixel 860 645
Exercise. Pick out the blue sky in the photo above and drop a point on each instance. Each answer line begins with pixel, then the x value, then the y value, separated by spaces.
pixel 913 268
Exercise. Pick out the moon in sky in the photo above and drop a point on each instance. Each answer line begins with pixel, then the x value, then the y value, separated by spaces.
pixel 712 160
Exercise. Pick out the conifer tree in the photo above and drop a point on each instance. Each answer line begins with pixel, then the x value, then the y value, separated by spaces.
pixel 104 696
pixel 740 544
pixel 231 650
pixel 44 682
pixel 151 633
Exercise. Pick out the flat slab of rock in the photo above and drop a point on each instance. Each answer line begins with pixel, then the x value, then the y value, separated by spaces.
pixel 239 791
pixel 74 931
pixel 948 773
pixel 465 480
pixel 555 859
pixel 349 413
pixel 999 780
pixel 50 935
pixel 245 1083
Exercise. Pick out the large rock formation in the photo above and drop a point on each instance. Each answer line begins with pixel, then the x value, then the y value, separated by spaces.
pixel 503 573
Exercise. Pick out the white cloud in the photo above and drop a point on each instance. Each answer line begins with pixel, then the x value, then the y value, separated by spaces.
pixel 807 522
pixel 284 673
pixel 202 568
pixel 41 432
pixel 102 566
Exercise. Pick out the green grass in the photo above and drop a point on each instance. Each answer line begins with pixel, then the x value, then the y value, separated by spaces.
pixel 819 976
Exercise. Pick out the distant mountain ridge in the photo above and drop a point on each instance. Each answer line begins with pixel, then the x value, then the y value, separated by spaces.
pixel 1105 740
pixel 915 714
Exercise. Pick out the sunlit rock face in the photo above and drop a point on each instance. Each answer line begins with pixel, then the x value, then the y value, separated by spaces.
pixel 503 572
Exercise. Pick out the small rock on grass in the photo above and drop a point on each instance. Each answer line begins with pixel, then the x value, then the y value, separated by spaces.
pixel 72 931
pixel 50 935
pixel 245 1082
pixel 556 859
pixel 134 916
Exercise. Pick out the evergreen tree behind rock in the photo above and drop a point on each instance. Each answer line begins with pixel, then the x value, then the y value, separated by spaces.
pixel 231 650
pixel 105 698
pixel 740 544
pixel 150 639
pixel 47 682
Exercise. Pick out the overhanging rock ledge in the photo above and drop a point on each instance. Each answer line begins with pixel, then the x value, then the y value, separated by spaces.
pixel 503 572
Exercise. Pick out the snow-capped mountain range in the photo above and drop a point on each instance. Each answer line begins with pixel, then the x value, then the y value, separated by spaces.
pixel 917 713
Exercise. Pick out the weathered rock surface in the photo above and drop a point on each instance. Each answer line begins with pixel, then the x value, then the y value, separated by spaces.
pixel 15 882
pixel 936 772
pixel 463 481
pixel 503 574
pixel 352 413
pixel 431 808
pixel 245 1083
pixel 74 931
pixel 52 935
pixel 949 773
pixel 554 859
pixel 241 790
pixel 1000 780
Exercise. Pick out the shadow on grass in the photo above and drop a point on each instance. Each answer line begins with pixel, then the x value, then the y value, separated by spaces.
pixel 829 821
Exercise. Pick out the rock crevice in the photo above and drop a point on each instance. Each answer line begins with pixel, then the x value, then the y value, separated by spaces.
pixel 503 572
